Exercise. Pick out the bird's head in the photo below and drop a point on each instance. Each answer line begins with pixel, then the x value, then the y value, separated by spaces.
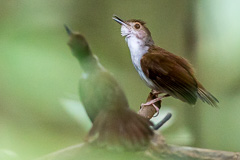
pixel 134 29
pixel 78 44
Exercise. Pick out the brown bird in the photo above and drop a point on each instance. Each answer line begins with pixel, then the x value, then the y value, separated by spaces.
pixel 105 102
pixel 161 70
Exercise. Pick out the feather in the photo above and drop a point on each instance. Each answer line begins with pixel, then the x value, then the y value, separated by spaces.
pixel 169 74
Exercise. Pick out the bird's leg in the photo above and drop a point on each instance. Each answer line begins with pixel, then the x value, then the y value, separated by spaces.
pixel 157 105
pixel 155 94
pixel 155 100
pixel 151 102
pixel 157 110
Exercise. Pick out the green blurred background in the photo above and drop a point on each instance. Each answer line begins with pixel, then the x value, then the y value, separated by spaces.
pixel 39 108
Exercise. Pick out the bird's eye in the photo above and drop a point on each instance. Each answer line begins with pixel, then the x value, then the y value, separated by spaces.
pixel 137 26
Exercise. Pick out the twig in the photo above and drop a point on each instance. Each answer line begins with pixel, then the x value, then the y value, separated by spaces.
pixel 162 122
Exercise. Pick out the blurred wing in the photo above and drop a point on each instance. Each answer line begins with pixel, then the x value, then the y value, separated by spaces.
pixel 171 74
pixel 120 127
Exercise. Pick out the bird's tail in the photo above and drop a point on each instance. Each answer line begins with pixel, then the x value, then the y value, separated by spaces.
pixel 205 96
pixel 121 128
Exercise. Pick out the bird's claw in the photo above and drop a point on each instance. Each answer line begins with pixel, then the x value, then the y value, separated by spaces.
pixel 157 110
pixel 155 107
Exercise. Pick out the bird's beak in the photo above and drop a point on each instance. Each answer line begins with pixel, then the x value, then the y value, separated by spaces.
pixel 119 20
pixel 69 32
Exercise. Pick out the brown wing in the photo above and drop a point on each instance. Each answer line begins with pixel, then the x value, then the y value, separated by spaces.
pixel 172 74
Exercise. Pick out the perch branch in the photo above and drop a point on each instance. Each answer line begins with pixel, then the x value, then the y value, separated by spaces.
pixel 85 151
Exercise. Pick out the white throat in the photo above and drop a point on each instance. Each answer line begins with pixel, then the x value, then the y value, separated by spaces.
pixel 137 49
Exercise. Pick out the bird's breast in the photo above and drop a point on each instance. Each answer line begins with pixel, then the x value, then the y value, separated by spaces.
pixel 136 60
pixel 137 49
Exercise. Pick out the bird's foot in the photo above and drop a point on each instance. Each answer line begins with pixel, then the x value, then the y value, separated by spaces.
pixel 155 107
pixel 154 101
